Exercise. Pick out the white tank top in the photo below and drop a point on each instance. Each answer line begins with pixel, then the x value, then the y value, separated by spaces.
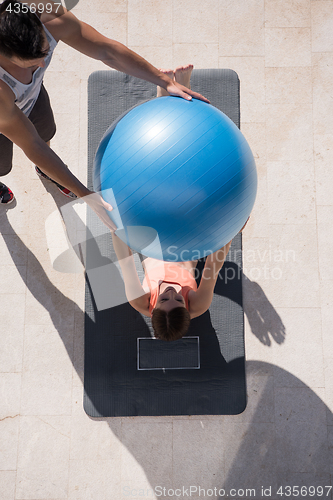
pixel 26 95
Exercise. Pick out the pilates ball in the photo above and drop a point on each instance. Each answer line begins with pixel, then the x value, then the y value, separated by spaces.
pixel 180 175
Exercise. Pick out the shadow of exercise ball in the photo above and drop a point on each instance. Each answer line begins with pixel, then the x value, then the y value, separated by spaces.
pixel 182 170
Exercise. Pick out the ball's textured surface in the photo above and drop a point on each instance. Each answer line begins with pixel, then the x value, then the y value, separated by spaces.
pixel 180 175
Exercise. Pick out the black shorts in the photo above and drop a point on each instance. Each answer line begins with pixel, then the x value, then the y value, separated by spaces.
pixel 42 118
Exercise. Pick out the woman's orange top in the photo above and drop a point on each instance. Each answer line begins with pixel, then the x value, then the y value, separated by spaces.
pixel 168 272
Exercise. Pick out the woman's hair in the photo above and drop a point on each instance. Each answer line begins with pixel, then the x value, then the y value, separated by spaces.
pixel 21 33
pixel 172 325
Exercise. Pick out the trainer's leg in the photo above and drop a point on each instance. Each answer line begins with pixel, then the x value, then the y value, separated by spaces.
pixel 160 91
pixel 6 161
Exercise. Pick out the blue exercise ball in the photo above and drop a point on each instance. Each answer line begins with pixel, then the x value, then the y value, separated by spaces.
pixel 180 175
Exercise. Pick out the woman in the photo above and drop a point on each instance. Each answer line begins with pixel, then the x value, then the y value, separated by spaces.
pixel 169 293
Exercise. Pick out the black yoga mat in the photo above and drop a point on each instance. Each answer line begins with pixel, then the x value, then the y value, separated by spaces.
pixel 127 372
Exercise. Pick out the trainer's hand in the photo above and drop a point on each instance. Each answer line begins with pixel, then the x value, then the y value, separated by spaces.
pixel 100 207
pixel 176 89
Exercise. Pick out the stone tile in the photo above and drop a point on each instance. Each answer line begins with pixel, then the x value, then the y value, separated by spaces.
pixel 7 485
pixel 15 217
pixel 93 478
pixel 47 371
pixel 326 301
pixel 329 412
pixel 80 171
pixel 294 14
pixel 328 369
pixel 12 337
pixel 255 133
pixel 12 251
pixel 194 22
pixel 63 89
pixel 291 192
pixel 301 353
pixel 45 298
pixel 10 394
pixel 260 402
pixel 110 24
pixel 54 309
pixel 258 223
pixel 242 445
pixel 299 404
pixel 301 447
pixel 330 445
pixel 141 456
pixel 160 57
pixel 13 278
pixel 258 341
pixel 61 254
pixel 150 17
pixel 241 28
pixel 262 319
pixel 201 55
pixel 257 256
pixel 295 280
pixel 251 72
pixel 9 438
pixel 322 74
pixel 66 141
pixel 104 6
pixel 287 47
pixel 323 157
pixel 53 261
pixel 64 58
pixel 199 447
pixel 91 438
pixel 325 240
pixel 322 26
pixel 43 458
pixel 289 132
pixel 88 66
pixel 45 202
pixel 308 484
pixel 288 85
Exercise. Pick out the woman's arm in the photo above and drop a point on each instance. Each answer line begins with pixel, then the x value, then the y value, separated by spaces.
pixel 201 299
pixel 135 294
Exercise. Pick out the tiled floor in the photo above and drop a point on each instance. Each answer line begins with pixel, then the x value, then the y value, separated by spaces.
pixel 49 448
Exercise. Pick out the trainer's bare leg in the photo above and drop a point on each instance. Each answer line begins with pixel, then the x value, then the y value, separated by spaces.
pixel 183 75
pixel 161 92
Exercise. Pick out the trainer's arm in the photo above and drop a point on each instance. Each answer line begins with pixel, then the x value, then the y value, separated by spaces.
pixel 18 129
pixel 87 40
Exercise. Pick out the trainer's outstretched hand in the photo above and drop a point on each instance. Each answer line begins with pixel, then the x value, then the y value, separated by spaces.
pixel 176 89
pixel 100 207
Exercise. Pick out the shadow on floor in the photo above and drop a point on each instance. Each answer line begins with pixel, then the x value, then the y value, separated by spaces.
pixel 280 440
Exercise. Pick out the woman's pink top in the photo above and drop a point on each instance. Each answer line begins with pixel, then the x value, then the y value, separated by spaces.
pixel 168 272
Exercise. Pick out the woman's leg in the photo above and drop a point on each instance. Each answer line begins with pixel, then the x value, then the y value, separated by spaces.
pixel 182 75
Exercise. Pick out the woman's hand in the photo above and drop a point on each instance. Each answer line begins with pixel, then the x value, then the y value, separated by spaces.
pixel 176 89
pixel 100 207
